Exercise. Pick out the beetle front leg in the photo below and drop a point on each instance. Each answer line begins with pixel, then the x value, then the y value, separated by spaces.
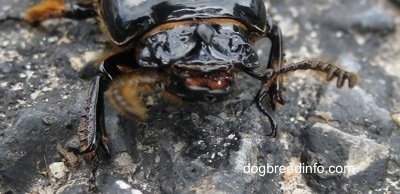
pixel 276 59
pixel 91 131
pixel 272 89
pixel 49 9
pixel 331 71
pixel 260 98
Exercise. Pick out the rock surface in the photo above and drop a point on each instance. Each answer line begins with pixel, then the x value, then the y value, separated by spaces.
pixel 218 148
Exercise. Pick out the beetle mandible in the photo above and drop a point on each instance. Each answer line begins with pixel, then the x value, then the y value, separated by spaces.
pixel 192 48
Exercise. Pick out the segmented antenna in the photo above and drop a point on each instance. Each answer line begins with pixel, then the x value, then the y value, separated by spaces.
pixel 331 70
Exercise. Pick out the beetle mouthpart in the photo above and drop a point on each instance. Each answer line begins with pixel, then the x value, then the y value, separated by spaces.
pixel 205 77
pixel 211 81
pixel 200 86
pixel 202 68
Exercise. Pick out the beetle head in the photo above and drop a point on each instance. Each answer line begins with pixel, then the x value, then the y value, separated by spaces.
pixel 200 59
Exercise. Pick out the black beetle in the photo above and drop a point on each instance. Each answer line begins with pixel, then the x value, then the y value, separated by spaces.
pixel 191 48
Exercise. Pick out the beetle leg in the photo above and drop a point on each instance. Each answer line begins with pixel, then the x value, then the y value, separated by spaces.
pixel 127 91
pixel 276 59
pixel 92 178
pixel 272 89
pixel 91 131
pixel 92 127
pixel 331 70
pixel 48 9
pixel 262 94
pixel 270 75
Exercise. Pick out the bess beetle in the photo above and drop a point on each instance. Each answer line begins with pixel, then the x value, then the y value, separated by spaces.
pixel 191 48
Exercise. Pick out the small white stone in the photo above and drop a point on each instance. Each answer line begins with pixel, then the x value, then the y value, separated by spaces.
pixel 135 191
pixel 231 136
pixel 157 159
pixel 123 185
pixel 339 34
pixel 52 39
pixel 396 119
pixel 58 170
pixel 5 43
pixel 300 118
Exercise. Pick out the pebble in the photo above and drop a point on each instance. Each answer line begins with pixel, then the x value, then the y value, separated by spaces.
pixel 58 170
pixel 6 67
pixel 396 119
pixel 49 120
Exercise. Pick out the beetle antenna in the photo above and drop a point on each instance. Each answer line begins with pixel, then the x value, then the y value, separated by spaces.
pixel 331 70
pixel 260 98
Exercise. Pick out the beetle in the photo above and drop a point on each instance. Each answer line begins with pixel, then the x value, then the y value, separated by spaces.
pixel 192 49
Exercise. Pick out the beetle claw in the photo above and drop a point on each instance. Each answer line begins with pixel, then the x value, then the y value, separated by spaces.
pixel 277 97
pixel 262 94
pixel 104 146
pixel 92 178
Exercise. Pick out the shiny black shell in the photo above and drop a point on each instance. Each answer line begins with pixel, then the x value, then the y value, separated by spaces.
pixel 126 21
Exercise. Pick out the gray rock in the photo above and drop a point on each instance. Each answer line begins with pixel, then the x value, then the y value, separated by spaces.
pixel 373 20
pixel 27 147
pixel 360 17
pixel 342 159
